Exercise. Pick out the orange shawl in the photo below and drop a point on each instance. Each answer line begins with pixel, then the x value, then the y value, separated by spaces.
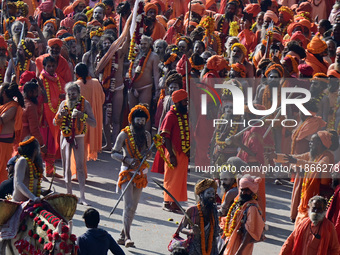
pixel 317 66
pixel 158 31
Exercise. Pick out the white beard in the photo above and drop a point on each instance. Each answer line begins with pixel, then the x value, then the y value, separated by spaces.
pixel 316 217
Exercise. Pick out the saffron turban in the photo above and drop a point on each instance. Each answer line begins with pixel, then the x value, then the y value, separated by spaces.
pixel 253 9
pixel 241 69
pixel 270 14
pixel 305 69
pixel 69 9
pixel 61 32
pixel 55 41
pixel 3 43
pixel 53 22
pixel 326 138
pixel 198 8
pixel 26 77
pixel 305 6
pixel 161 4
pixel 287 13
pixel 217 63
pixel 150 6
pixel 67 23
pixel 179 95
pixel 204 185
pixel 250 182
pixel 316 45
pixel 302 22
pixel 298 36
pixel 276 67
pixel 46 6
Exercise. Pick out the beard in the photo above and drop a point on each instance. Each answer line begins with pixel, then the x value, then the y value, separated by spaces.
pixel 34 100
pixel 209 202
pixel 47 34
pixel 182 109
pixel 245 198
pixel 139 135
pixel 316 217
pixel 72 103
pixel 235 59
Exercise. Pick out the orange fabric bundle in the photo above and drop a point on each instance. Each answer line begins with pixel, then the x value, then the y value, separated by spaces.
pixel 240 69
pixel 316 45
pixel 217 63
pixel 253 9
pixel 55 41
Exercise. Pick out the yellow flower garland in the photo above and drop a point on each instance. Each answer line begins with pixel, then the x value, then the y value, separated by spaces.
pixel 54 110
pixel 159 145
pixel 185 138
pixel 33 172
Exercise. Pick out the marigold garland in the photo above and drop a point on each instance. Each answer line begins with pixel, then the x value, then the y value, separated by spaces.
pixel 137 34
pixel 185 137
pixel 230 226
pixel 139 69
pixel 196 67
pixel 204 249
pixel 31 139
pixel 171 59
pixel 47 86
pixel 33 174
pixel 306 179
pixel 67 123
pixel 159 145
pixel 109 78
pixel 140 180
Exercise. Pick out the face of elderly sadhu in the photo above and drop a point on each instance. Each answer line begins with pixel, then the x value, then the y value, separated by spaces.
pixel 317 211
pixel 208 197
pixel 145 45
pixel 49 28
pixel 159 48
pixel 54 50
pixel 237 55
pixel 20 51
pixel 259 19
pixel 267 22
pixel 182 46
pixel 98 14
pixel 151 14
pixel 273 78
pixel 173 87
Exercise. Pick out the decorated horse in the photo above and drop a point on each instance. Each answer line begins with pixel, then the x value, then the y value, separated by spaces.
pixel 46 228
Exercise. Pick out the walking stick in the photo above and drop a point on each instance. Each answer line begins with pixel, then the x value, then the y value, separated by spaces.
pixel 133 176
pixel 189 17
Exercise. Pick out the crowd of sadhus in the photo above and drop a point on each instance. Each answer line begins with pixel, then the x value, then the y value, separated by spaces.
pixel 130 54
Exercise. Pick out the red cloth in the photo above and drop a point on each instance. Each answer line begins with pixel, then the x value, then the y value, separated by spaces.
pixel 26 77
pixel 63 69
pixel 3 43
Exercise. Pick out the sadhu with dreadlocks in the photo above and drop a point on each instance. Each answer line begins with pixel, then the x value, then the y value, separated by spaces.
pixel 134 141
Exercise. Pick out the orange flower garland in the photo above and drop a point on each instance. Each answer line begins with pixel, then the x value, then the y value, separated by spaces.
pixel 139 69
pixel 54 110
pixel 171 59
pixel 197 67
pixel 211 232
pixel 184 137
pixel 229 228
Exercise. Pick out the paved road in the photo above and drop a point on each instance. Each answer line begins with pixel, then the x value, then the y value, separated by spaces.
pixel 152 230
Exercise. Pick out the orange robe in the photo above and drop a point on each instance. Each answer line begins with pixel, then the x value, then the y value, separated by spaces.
pixel 303 242
pixel 50 132
pixel 333 211
pixel 248 39
pixel 158 31
pixel 6 149
pixel 300 145
pixel 93 92
pixel 63 69
pixel 175 180
pixel 254 225
pixel 317 66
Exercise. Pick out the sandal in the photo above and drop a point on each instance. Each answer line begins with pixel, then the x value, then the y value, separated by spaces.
pixel 129 243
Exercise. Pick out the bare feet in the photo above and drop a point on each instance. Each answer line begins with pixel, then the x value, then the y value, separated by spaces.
pixel 83 202
pixel 129 243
